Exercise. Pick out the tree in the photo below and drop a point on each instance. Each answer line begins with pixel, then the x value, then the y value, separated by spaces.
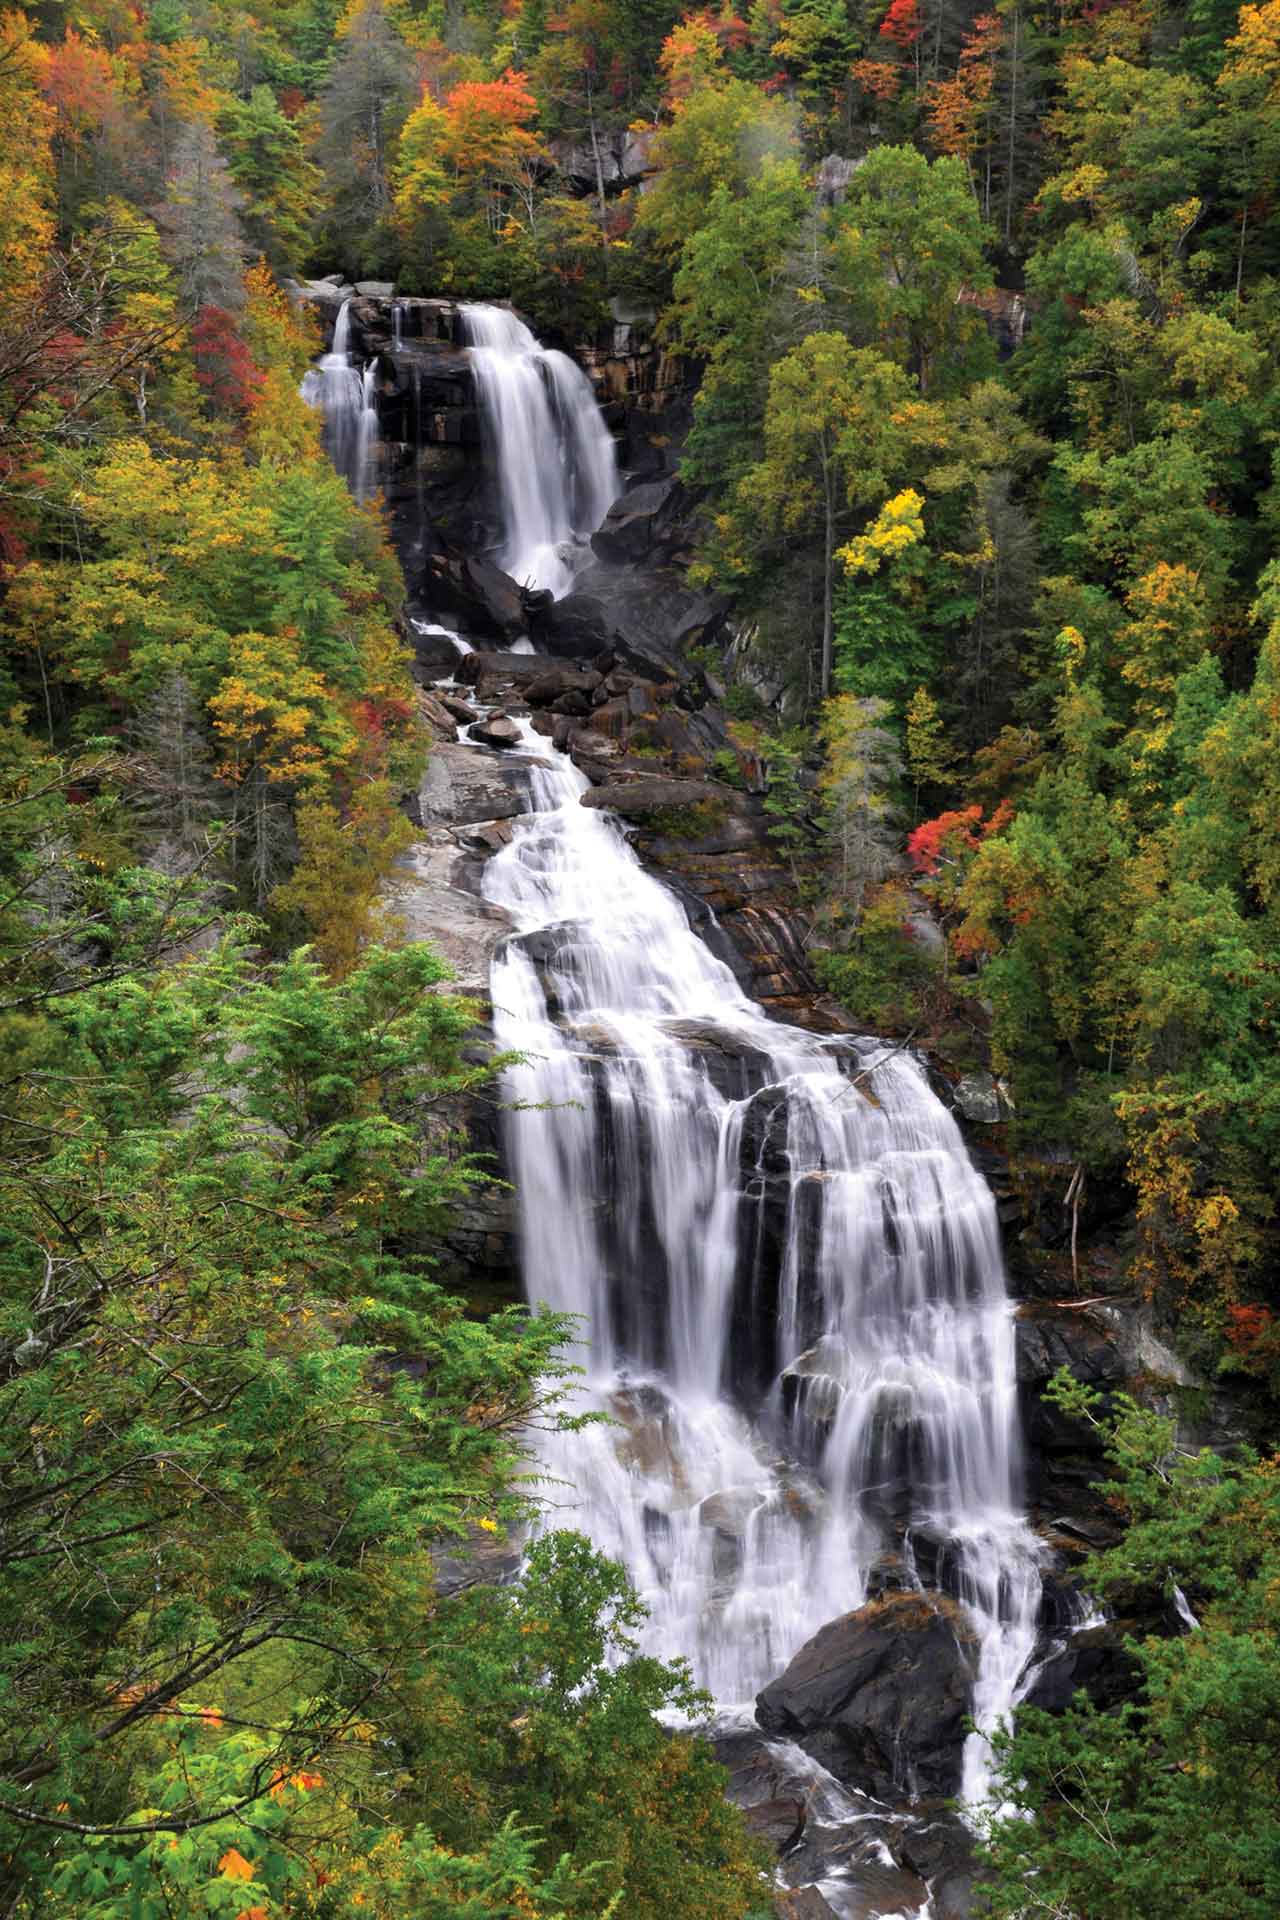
pixel 961 111
pixel 830 437
pixel 583 44
pixel 366 100
pixel 199 221
pixel 719 137
pixel 731 280
pixel 230 1468
pixel 930 756
pixel 1171 1804
pixel 1249 90
pixel 268 162
pixel 860 765
pixel 908 242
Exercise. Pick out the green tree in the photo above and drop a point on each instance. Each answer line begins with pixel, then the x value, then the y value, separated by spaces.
pixel 908 242
pixel 831 440
pixel 1171 1804
pixel 268 162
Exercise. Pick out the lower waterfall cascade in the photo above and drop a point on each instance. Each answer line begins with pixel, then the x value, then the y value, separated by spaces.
pixel 553 458
pixel 790 1289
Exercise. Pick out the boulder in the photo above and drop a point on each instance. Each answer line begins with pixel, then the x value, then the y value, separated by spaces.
pixel 978 1098
pixel 655 793
pixel 328 294
pixel 496 730
pixel 770 1794
pixel 375 289
pixel 484 598
pixel 436 650
pixel 642 522
pixel 647 617
pixel 1094 1661
pixel 461 787
pixel 488 669
pixel 575 628
pixel 545 688
pixel 881 1697
pixel 814 1384
pixel 436 714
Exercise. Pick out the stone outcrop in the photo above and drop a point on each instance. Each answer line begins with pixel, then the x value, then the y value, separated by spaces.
pixel 881 1697
pixel 618 160
pixel 648 524
pixel 649 617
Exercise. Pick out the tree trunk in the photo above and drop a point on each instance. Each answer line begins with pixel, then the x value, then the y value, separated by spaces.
pixel 1014 52
pixel 828 560
pixel 595 150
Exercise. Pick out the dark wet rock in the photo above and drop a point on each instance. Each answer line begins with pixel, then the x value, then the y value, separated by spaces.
pixel 642 524
pixel 490 671
pixel 435 650
pixel 770 1794
pixel 459 709
pixel 880 1697
pixel 573 702
pixel 876 1891
pixel 639 799
pixel 813 1385
pixel 678 816
pixel 1094 1661
pixel 1061 1601
pixel 1065 1456
pixel 555 681
pixel 486 600
pixel 941 1851
pixel 647 617
pixel 497 730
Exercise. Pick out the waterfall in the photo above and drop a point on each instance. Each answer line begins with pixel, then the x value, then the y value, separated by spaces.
pixel 345 393
pixel 787 1272
pixel 550 452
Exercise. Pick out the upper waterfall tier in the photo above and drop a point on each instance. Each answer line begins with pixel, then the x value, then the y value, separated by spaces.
pixel 552 457
pixel 788 1277
pixel 343 389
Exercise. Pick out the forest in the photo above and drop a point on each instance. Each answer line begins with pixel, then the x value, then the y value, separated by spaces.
pixel 977 320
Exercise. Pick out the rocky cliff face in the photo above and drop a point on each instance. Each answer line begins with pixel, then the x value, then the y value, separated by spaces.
pixel 430 468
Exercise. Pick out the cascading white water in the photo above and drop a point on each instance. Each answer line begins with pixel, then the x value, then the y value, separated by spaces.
pixel 345 394
pixel 787 1270
pixel 551 454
